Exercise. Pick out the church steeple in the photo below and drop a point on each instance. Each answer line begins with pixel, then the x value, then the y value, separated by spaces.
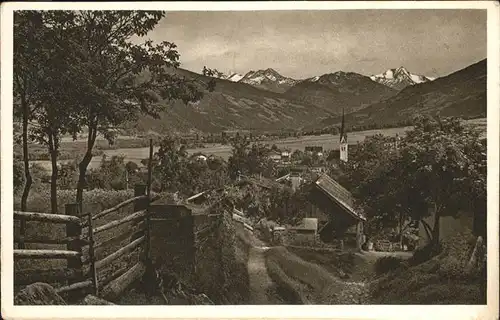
pixel 342 127
pixel 343 140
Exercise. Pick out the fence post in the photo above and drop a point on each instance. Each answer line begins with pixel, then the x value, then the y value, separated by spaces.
pixel 140 190
pixel 22 233
pixel 93 271
pixel 148 191
pixel 74 230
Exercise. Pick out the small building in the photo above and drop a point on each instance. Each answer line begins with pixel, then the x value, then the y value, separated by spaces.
pixel 317 150
pixel 199 156
pixel 336 202
pixel 285 156
pixel 318 169
pixel 275 155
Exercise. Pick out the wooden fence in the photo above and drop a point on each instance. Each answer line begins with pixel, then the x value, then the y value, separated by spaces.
pixel 84 266
pixel 91 263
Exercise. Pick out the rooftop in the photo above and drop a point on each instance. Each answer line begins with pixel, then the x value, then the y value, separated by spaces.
pixel 337 193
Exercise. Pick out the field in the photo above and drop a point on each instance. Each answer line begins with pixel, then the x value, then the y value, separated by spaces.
pixel 327 141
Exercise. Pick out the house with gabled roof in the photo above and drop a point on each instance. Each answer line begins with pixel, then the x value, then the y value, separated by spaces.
pixel 343 221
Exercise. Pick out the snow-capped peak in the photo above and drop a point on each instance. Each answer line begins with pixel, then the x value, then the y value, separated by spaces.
pixel 268 75
pixel 235 77
pixel 399 78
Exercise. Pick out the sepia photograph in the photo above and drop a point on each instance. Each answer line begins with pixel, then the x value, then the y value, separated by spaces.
pixel 249 157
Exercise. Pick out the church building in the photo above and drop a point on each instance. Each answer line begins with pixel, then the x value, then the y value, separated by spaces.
pixel 343 141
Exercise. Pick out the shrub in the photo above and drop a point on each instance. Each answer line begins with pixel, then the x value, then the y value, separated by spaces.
pixel 387 264
pixel 436 276
pixel 93 200
pixel 424 254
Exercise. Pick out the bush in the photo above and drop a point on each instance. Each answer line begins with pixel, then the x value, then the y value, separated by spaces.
pixel 437 276
pixel 93 200
pixel 387 264
pixel 424 253
pixel 221 263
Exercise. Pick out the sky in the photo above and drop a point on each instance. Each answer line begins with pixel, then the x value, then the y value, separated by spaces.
pixel 302 44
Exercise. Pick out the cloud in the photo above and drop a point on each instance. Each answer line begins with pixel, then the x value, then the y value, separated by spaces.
pixel 304 44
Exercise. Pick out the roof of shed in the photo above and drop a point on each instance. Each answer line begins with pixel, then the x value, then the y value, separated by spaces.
pixel 337 193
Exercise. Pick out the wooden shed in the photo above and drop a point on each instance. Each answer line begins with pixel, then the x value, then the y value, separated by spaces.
pixel 344 223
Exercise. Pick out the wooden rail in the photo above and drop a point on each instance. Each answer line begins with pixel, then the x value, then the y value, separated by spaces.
pixel 49 275
pixel 79 277
pixel 45 240
pixel 117 286
pixel 46 217
pixel 115 223
pixel 44 254
pixel 128 248
pixel 104 281
pixel 118 206
pixel 75 286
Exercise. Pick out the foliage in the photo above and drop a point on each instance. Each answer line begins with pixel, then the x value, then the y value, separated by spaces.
pixel 434 276
pixel 111 174
pixel 439 167
pixel 249 159
pixel 43 78
pixel 68 175
pixel 423 254
pixel 95 200
pixel 386 264
pixel 175 171
pixel 107 77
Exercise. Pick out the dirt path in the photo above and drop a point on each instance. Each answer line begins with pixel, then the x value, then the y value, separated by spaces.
pixel 262 288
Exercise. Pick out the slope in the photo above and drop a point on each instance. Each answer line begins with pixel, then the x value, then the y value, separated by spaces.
pixel 268 79
pixel 340 90
pixel 460 94
pixel 231 105
pixel 399 78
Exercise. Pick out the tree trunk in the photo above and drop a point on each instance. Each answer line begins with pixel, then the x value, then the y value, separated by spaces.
pixel 28 179
pixel 83 165
pixel 401 230
pixel 27 174
pixel 82 168
pixel 53 178
pixel 435 229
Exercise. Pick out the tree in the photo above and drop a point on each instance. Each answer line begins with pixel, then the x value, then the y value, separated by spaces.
pixel 439 170
pixel 18 174
pixel 109 175
pixel 29 66
pixel 297 156
pixel 43 78
pixel 119 79
pixel 170 162
pixel 447 162
pixel 249 159
pixel 68 175
pixel 175 171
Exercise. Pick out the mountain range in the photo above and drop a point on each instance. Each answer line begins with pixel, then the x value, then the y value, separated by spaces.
pixel 399 78
pixel 232 105
pixel 461 93
pixel 265 100
pixel 339 91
